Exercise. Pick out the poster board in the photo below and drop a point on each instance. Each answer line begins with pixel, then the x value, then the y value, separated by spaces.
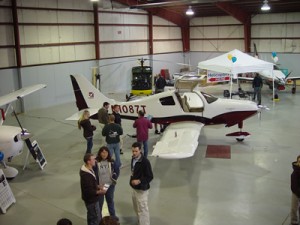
pixel 7 198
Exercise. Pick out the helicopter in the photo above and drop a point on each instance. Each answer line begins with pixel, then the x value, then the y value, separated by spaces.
pixel 141 82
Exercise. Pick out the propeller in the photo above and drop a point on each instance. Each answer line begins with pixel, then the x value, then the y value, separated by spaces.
pixel 260 109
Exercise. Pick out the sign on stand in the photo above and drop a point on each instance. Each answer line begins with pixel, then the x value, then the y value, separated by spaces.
pixel 7 198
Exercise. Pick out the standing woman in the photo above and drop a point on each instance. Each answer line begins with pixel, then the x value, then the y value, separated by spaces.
pixel 88 129
pixel 107 173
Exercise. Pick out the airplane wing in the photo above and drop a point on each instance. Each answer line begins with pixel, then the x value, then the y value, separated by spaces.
pixel 245 78
pixel 179 140
pixel 6 99
pixel 77 115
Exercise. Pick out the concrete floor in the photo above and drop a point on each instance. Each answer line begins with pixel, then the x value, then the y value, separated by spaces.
pixel 253 187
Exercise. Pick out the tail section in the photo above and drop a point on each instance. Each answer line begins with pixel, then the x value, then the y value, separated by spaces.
pixel 87 96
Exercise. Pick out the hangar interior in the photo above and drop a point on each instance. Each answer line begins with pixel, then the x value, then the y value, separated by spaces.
pixel 44 41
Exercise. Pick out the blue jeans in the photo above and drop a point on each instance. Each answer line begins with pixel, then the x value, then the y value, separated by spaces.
pixel 109 197
pixel 145 146
pixel 115 149
pixel 89 144
pixel 93 213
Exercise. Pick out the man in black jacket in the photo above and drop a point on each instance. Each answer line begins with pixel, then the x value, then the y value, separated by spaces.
pixel 89 190
pixel 257 84
pixel 295 187
pixel 140 179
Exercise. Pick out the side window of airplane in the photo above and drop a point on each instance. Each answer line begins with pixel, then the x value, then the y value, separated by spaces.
pixel 209 98
pixel 167 100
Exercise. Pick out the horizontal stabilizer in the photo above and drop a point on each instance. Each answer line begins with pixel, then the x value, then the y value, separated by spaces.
pixel 77 115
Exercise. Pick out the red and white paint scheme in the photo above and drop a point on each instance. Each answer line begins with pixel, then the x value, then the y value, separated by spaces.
pixel 185 110
pixel 11 138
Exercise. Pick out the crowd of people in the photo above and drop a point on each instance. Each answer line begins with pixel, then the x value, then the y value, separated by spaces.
pixel 99 173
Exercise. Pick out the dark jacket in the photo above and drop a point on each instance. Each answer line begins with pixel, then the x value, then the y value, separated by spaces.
pixel 103 116
pixel 88 128
pixel 295 180
pixel 142 171
pixel 115 172
pixel 112 132
pixel 117 118
pixel 257 82
pixel 160 83
pixel 89 186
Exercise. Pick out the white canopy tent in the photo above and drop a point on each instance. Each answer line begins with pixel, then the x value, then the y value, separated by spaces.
pixel 235 62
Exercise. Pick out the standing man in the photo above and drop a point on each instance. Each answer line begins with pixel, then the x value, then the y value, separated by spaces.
pixel 295 187
pixel 112 132
pixel 140 179
pixel 103 114
pixel 89 189
pixel 160 84
pixel 257 84
pixel 118 120
pixel 142 126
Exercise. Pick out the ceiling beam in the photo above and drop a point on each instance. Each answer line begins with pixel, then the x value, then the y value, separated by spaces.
pixel 241 15
pixel 236 12
pixel 164 13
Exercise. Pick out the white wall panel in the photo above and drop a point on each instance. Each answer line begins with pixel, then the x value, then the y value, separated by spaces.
pixel 221 20
pixel 123 49
pixel 166 33
pixel 7 35
pixel 83 52
pixel 48 34
pixel 75 17
pixel 28 35
pixel 30 56
pixel 69 4
pixel 167 46
pixel 83 33
pixel 7 57
pixel 5 15
pixel 216 45
pixel 65 34
pixel 115 18
pixel 48 55
pixel 109 33
pixel 160 21
pixel 293 30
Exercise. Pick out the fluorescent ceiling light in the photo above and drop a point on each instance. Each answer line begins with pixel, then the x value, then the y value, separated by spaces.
pixel 189 12
pixel 265 6
pixel 94 0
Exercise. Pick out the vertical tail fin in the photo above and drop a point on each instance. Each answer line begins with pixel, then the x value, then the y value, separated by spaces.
pixel 87 96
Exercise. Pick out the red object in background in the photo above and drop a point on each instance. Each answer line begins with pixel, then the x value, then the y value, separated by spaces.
pixel 165 73
pixel 280 87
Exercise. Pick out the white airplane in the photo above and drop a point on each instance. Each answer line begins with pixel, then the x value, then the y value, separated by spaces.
pixel 12 138
pixel 280 79
pixel 185 113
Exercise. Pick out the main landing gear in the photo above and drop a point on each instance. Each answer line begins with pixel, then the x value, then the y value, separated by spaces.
pixel 239 135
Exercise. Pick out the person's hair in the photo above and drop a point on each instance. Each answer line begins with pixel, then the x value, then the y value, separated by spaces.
pixel 105 104
pixel 82 117
pixel 108 220
pixel 137 145
pixel 87 157
pixel 64 221
pixel 115 106
pixel 141 113
pixel 111 118
pixel 102 149
pixel 298 157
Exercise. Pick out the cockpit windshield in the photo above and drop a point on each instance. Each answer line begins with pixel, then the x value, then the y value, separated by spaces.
pixel 209 98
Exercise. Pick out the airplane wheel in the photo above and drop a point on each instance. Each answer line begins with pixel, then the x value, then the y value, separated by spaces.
pixel 239 139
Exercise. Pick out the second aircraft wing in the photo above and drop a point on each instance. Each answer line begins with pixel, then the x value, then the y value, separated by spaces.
pixel 179 140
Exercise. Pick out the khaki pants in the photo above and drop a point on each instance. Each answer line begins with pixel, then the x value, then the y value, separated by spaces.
pixel 140 206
